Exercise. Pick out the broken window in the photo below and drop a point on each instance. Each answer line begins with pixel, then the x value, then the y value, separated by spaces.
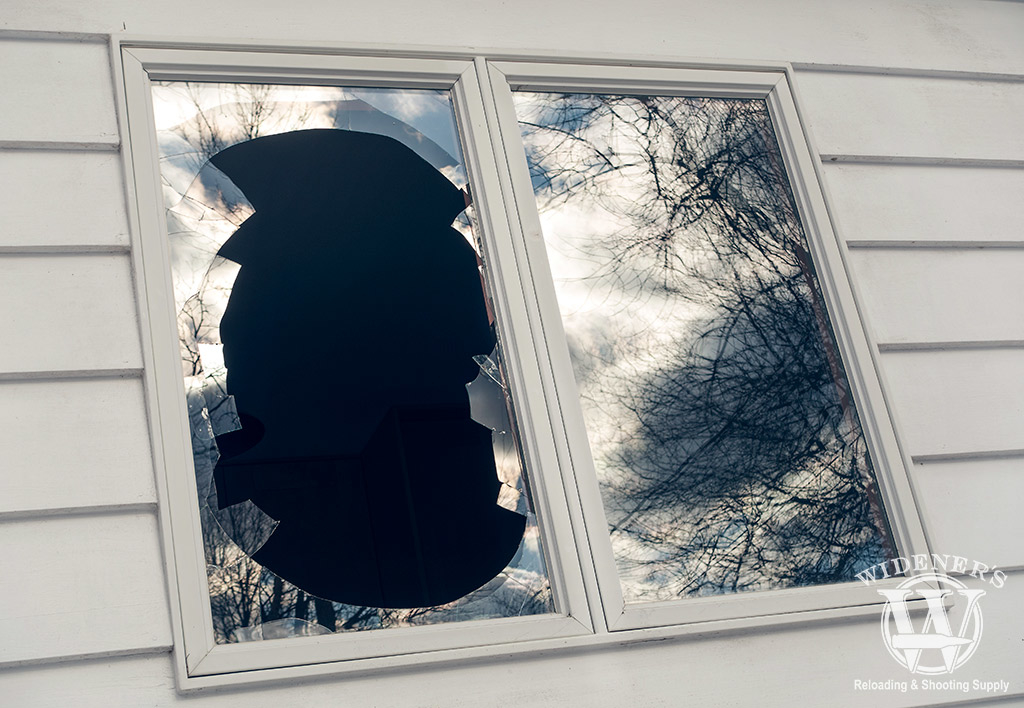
pixel 589 387
pixel 355 450
pixel 729 453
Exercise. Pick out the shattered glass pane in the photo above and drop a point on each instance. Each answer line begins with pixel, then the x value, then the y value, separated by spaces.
pixel 355 451
pixel 728 450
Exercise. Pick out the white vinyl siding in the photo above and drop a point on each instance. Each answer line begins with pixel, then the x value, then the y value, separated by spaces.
pixel 921 108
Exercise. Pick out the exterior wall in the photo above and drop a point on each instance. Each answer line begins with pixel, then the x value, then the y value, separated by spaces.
pixel 915 108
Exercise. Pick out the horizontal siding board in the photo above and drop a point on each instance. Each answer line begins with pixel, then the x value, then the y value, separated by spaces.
pixel 808 666
pixel 61 198
pixel 81 585
pixel 895 116
pixel 67 312
pixel 956 401
pixel 126 682
pixel 56 91
pixel 948 34
pixel 971 508
pixel 103 456
pixel 926 203
pixel 917 295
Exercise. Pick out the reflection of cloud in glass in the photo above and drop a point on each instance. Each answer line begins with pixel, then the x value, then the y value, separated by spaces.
pixel 213 116
pixel 429 112
pixel 176 103
pixel 729 455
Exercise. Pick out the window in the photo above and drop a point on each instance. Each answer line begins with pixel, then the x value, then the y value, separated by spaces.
pixel 451 356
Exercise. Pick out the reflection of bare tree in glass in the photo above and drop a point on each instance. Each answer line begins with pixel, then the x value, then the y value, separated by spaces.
pixel 247 109
pixel 746 467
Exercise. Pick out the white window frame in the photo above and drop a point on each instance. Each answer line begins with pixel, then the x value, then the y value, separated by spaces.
pixel 590 609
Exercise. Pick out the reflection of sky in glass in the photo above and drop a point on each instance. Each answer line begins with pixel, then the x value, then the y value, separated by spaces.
pixel 194 121
pixel 235 111
pixel 729 455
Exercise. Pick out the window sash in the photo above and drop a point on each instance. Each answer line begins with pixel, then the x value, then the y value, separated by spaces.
pixel 854 350
pixel 203 656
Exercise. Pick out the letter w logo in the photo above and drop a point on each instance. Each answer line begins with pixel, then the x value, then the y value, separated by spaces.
pixel 937 632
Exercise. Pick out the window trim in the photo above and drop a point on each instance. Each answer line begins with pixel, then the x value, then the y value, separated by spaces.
pixel 581 569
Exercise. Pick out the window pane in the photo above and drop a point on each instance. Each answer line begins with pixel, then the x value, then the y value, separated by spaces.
pixel 354 449
pixel 729 453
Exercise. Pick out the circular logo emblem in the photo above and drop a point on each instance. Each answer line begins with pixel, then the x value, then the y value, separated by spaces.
pixel 931 623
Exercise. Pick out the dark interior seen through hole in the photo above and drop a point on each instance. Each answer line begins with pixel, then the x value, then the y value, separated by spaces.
pixel 383 486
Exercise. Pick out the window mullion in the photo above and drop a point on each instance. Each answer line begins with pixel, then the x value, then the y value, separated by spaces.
pixel 508 287
pixel 560 390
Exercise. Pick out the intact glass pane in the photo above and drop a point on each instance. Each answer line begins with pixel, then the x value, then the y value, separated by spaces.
pixel 728 450
pixel 356 455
